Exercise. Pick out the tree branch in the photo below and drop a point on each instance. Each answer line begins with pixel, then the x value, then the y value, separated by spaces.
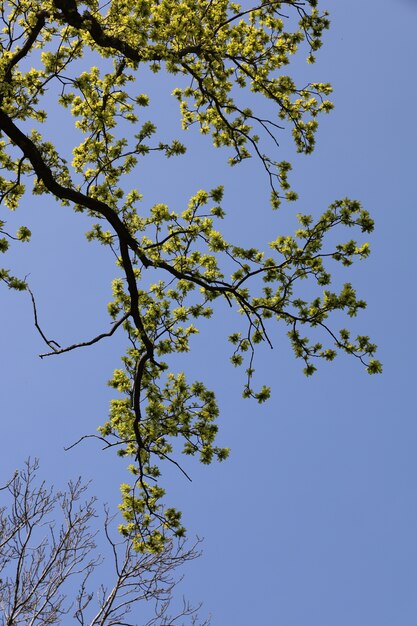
pixel 83 344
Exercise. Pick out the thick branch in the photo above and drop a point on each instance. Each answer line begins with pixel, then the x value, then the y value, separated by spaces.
pixel 40 23
pixel 45 174
pixel 89 23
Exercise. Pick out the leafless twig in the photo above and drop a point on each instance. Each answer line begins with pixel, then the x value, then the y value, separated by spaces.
pixel 48 538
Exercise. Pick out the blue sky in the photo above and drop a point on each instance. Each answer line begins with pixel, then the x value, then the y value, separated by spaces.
pixel 312 521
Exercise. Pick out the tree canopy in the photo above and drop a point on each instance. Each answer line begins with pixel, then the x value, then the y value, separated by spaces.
pixel 173 267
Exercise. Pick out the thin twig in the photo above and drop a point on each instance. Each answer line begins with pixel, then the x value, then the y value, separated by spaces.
pixel 83 344
pixel 48 342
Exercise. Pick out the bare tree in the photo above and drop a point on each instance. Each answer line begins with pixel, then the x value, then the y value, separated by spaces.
pixel 49 562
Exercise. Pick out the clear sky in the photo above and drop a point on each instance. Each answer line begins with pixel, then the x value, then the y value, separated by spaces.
pixel 313 519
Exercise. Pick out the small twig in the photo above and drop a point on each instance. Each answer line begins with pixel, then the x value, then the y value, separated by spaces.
pixel 83 344
pixel 48 342
pixel 16 474
pixel 175 463
pixel 108 444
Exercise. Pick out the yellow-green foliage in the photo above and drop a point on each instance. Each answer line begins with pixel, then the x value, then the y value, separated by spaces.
pixel 89 55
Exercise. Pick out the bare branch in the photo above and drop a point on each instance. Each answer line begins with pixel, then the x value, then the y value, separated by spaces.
pixel 47 539
pixel 91 342
pixel 50 342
